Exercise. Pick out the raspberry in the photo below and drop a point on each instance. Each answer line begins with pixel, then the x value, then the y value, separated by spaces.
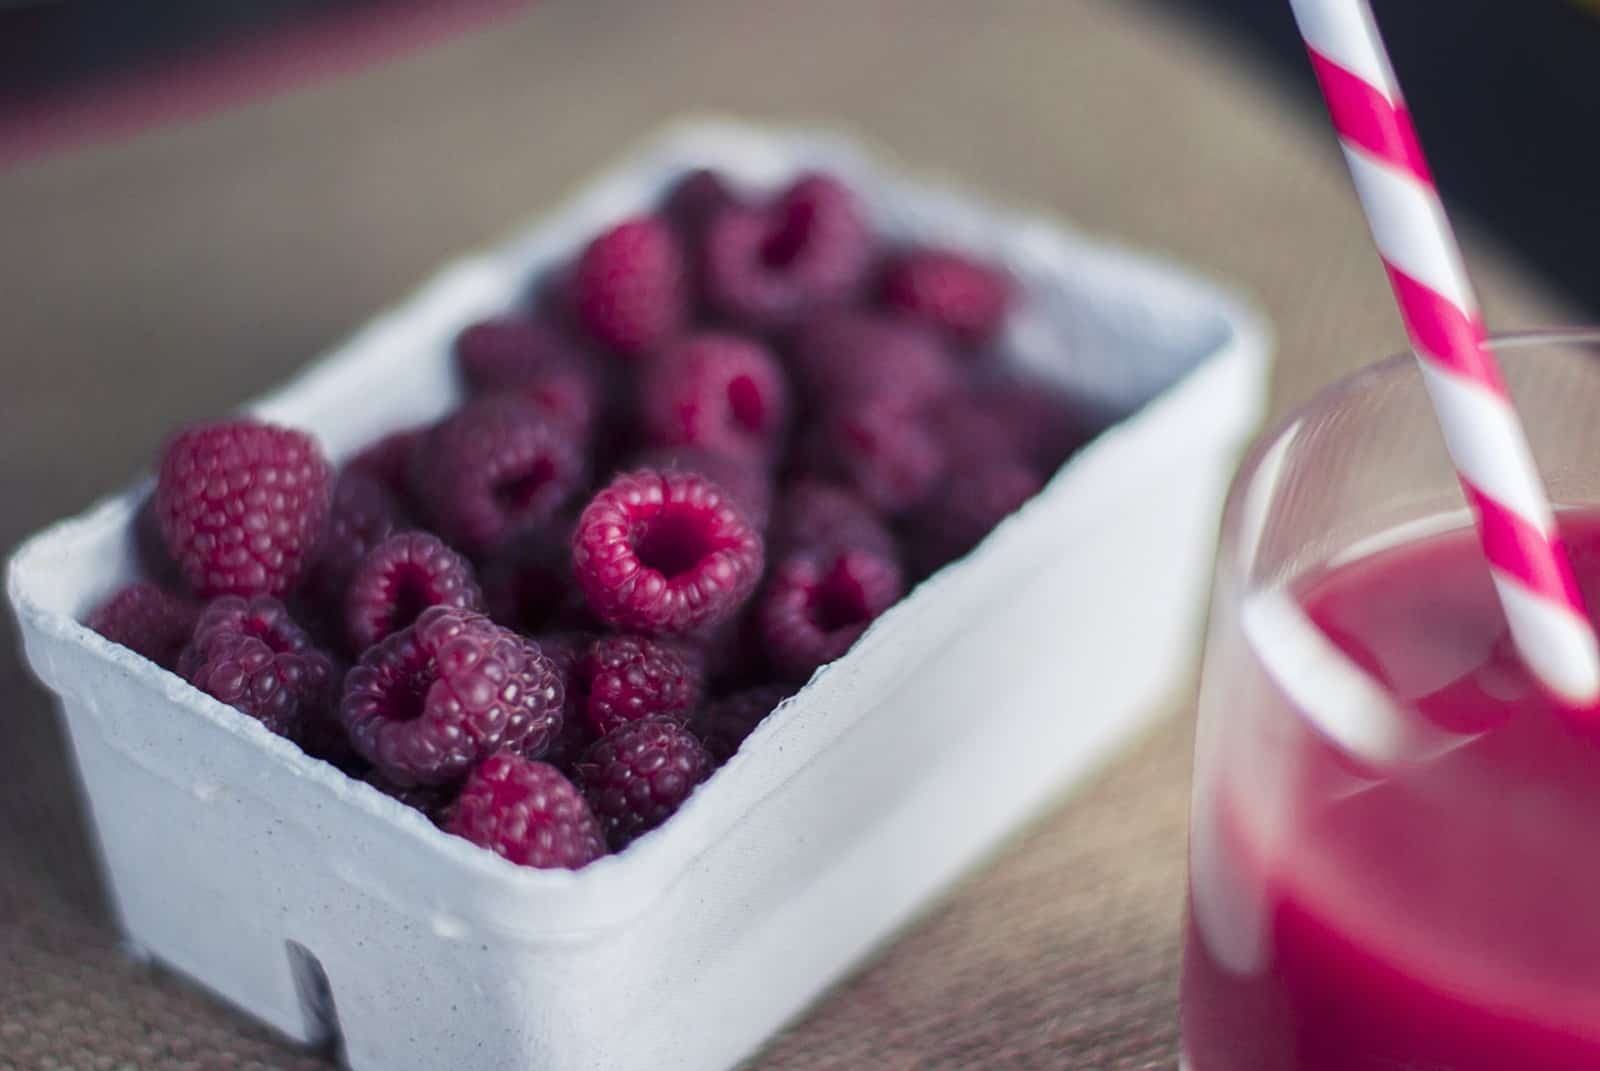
pixel 963 297
pixel 969 428
pixel 436 802
pixel 720 392
pixel 241 506
pixel 322 734
pixel 746 483
pixel 516 353
pixel 151 547
pixel 723 725
pixel 639 775
pixel 817 605
pixel 625 678
pixel 695 200
pixel 563 649
pixel 629 288
pixel 974 497
pixel 847 358
pixel 815 516
pixel 148 621
pixel 665 552
pixel 766 269
pixel 527 812
pixel 496 468
pixel 528 586
pixel 364 513
pixel 263 618
pixel 251 655
pixel 430 701
pixel 1046 427
pixel 399 579
pixel 389 461
pixel 878 450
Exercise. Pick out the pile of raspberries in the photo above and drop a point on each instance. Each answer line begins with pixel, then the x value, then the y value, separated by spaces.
pixel 693 468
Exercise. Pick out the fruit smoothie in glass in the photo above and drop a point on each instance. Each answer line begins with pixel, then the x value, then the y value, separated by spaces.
pixel 1395 839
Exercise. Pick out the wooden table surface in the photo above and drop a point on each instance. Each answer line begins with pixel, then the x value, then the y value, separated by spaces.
pixel 166 278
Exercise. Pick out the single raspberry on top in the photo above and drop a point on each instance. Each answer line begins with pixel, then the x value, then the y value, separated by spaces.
pixel 527 812
pixel 625 678
pixel 242 505
pixel 364 513
pixel 958 294
pixel 400 578
pixel 252 655
pixel 767 268
pixel 719 392
pixel 815 606
pixel 849 357
pixel 723 725
pixel 638 776
pixel 429 702
pixel 529 357
pixel 629 288
pixel 665 552
pixel 148 621
pixel 496 468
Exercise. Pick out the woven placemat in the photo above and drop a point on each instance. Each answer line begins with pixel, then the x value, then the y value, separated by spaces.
pixel 196 265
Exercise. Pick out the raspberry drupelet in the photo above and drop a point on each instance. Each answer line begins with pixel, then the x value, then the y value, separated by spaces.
pixel 496 468
pixel 242 505
pixel 665 553
pixel 400 578
pixel 638 776
pixel 527 812
pixel 630 288
pixel 430 701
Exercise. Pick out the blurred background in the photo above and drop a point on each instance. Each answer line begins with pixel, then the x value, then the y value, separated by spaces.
pixel 199 196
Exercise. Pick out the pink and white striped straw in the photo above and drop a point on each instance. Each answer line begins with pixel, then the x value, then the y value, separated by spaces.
pixel 1481 429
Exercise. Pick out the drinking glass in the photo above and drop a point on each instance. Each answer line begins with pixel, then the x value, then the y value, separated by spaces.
pixel 1395 838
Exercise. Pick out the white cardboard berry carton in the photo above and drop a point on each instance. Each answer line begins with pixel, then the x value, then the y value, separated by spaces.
pixel 324 908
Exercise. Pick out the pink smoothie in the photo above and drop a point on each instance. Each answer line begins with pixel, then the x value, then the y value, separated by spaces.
pixel 1445 917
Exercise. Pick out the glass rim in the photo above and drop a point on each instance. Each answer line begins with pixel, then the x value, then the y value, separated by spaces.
pixel 1358 380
